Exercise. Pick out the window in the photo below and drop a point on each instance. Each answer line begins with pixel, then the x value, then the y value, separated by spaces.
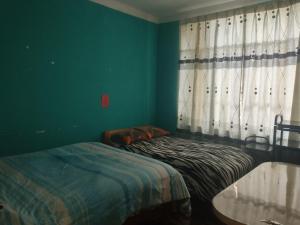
pixel 238 71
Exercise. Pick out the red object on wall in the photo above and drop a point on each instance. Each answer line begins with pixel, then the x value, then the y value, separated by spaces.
pixel 105 101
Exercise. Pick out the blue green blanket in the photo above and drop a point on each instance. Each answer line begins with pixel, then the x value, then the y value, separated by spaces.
pixel 84 184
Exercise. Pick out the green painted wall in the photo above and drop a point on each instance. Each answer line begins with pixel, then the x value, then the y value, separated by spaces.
pixel 167 75
pixel 57 58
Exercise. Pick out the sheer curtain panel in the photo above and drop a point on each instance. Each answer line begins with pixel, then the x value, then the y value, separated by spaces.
pixel 237 70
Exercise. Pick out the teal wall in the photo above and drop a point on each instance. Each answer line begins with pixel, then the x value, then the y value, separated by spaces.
pixel 167 75
pixel 57 58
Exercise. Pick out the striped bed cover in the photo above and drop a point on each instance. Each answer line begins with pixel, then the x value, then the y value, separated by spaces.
pixel 84 184
pixel 207 168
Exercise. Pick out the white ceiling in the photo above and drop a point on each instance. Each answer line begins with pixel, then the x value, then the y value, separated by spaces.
pixel 172 10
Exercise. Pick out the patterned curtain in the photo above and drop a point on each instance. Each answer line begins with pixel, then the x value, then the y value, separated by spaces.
pixel 237 70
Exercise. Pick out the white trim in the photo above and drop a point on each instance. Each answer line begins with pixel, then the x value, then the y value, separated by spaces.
pixel 125 8
pixel 210 9
pixel 186 13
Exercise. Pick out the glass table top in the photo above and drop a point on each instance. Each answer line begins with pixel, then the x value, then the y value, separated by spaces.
pixel 269 192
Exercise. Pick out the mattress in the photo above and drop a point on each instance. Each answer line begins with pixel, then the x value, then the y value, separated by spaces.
pixel 207 168
pixel 85 184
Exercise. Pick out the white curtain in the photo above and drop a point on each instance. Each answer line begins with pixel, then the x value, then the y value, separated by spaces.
pixel 238 71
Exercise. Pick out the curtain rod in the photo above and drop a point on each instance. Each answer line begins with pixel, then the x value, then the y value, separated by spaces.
pixel 243 10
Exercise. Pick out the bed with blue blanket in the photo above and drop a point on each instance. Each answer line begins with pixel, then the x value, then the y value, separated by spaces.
pixel 86 184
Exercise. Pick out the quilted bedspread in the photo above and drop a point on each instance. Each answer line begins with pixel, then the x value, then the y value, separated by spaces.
pixel 84 184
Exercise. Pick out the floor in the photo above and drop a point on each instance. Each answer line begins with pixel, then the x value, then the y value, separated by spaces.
pixel 206 220
pixel 202 214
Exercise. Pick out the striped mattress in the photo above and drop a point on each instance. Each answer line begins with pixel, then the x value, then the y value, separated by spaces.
pixel 85 184
pixel 207 168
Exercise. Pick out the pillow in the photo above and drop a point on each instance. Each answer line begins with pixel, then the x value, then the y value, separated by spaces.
pixel 124 137
pixel 153 132
pixel 159 132
pixel 146 130
pixel 117 137
pixel 128 136
pixel 138 135
pixel 121 139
